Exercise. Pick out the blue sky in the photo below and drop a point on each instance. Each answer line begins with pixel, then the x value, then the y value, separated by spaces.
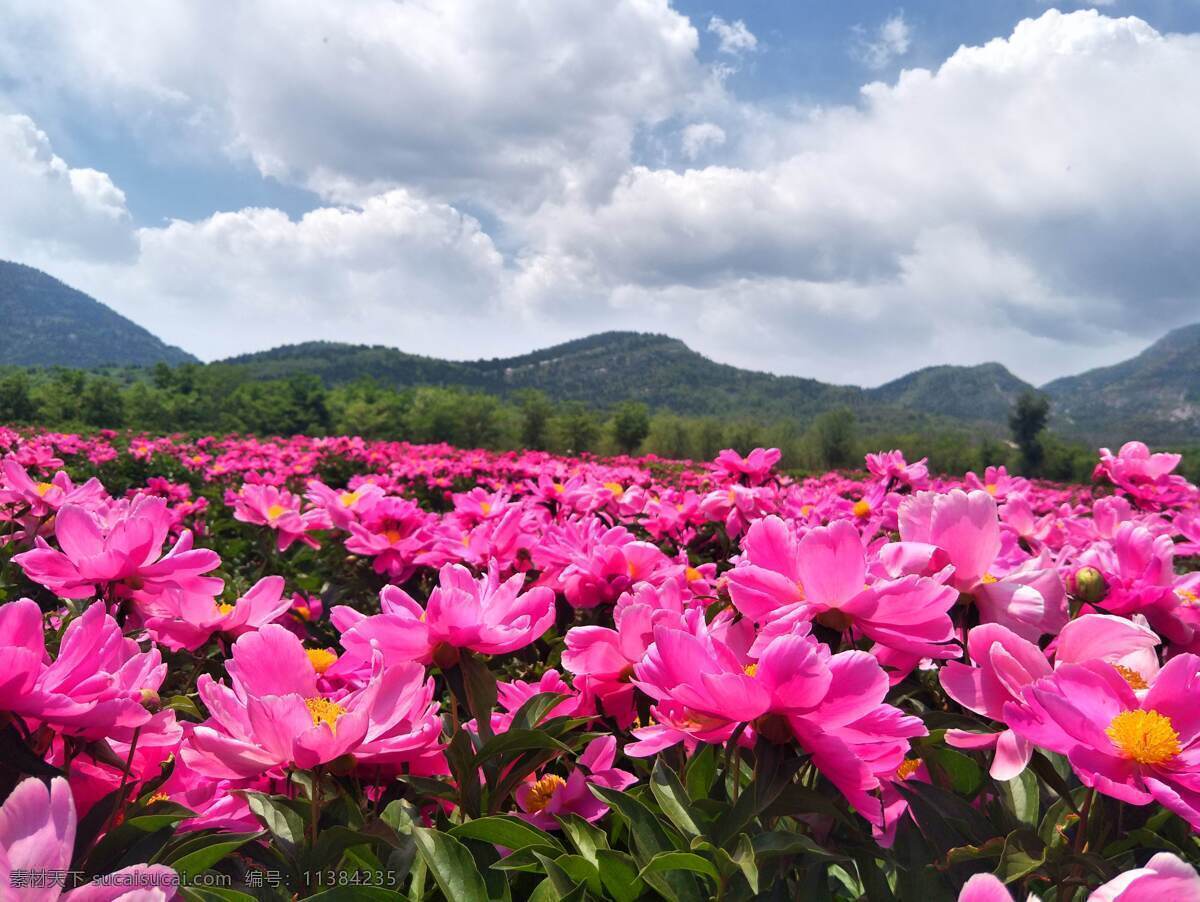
pixel 473 179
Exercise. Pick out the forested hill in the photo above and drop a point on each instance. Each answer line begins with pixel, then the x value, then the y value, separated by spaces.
pixel 46 323
pixel 661 371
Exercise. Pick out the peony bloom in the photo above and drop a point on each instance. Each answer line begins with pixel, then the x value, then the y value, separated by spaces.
pixel 1004 664
pixel 277 712
pixel 1165 876
pixel 97 684
pixel 542 799
pixel 823 577
pixel 266 505
pixel 483 615
pixel 1135 750
pixel 187 621
pixel 755 468
pixel 832 705
pixel 1030 600
pixel 37 834
pixel 122 552
pixel 893 469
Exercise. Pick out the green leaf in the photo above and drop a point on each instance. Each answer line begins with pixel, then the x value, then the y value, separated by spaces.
pixel 964 775
pixel 1023 854
pixel 619 875
pixel 582 871
pixel 181 704
pixel 511 741
pixel 701 773
pixel 285 824
pixel 1022 796
pixel 673 799
pixel 530 714
pixel 480 686
pixel 777 844
pixel 587 839
pixel 505 830
pixel 213 849
pixel 681 861
pixel 451 865
pixel 563 883
pixel 743 856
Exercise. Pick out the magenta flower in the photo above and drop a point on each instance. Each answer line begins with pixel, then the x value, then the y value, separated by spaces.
pixel 266 505
pixel 124 552
pixel 37 834
pixel 277 713
pixel 178 620
pixel 1135 750
pixel 1029 600
pixel 542 799
pixel 98 683
pixel 463 613
pixel 823 577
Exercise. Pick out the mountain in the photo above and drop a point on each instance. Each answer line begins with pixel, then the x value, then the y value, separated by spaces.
pixel 663 372
pixel 987 391
pixel 1155 394
pixel 46 323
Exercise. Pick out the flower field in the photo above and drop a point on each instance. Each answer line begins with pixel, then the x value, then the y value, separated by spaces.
pixel 237 668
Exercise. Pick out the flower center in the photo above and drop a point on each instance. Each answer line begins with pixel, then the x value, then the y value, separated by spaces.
pixel 862 507
pixel 158 797
pixel 990 488
pixel 616 488
pixel 1132 677
pixel 988 579
pixel 907 768
pixel 225 609
pixel 1186 597
pixel 323 711
pixel 751 670
pixel 275 511
pixel 393 536
pixel 691 574
pixel 543 790
pixel 348 498
pixel 321 659
pixel 1146 737
pixel 486 507
pixel 42 488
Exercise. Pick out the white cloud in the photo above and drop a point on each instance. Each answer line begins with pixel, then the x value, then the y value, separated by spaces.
pixel 888 42
pixel 50 208
pixel 1032 200
pixel 502 103
pixel 734 37
pixel 699 137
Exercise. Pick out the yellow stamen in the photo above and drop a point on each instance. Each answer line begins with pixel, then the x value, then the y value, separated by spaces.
pixel 750 670
pixel 1132 677
pixel 691 574
pixel 988 579
pixel 275 511
pixel 348 498
pixel 303 612
pixel 158 797
pixel 616 488
pixel 321 659
pixel 1146 737
pixel 862 508
pixel 907 768
pixel 42 488
pixel 323 711
pixel 559 488
pixel 225 609
pixel 393 536
pixel 1186 597
pixel 486 507
pixel 542 791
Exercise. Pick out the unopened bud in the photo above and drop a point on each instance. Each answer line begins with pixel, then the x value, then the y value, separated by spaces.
pixel 1090 585
pixel 445 656
pixel 149 699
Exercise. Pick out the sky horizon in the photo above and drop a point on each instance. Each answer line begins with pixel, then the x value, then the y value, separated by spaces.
pixel 846 192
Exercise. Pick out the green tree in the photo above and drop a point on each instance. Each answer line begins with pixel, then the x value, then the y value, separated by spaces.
pixel 576 427
pixel 16 402
pixel 832 435
pixel 1026 422
pixel 536 412
pixel 102 403
pixel 630 425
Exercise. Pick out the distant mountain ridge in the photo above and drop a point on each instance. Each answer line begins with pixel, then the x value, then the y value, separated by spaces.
pixel 1154 396
pixel 46 323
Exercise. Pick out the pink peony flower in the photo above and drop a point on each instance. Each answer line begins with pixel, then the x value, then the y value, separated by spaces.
pixel 542 799
pixel 37 834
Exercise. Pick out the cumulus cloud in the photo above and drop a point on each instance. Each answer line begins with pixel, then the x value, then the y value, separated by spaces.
pixel 886 43
pixel 699 137
pixel 733 37
pixel 501 103
pixel 1032 200
pixel 50 209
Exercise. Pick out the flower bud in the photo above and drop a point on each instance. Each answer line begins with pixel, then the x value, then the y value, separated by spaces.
pixel 1090 585
pixel 149 699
